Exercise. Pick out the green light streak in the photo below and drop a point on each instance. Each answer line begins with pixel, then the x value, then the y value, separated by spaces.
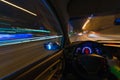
pixel 22 30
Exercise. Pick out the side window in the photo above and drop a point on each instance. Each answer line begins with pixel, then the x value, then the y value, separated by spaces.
pixel 25 25
pixel 19 21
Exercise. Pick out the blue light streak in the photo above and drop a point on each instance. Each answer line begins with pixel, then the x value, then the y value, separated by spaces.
pixel 24 40
pixel 14 36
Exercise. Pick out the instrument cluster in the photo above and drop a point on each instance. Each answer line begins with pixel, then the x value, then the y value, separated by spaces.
pixel 88 47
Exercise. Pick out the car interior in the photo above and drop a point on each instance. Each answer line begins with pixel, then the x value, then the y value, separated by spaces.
pixel 59 40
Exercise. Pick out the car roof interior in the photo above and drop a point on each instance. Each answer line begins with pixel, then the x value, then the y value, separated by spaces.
pixel 79 8
pixel 88 7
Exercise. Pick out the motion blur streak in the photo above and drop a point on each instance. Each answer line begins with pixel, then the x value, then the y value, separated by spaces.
pixel 17 41
pixel 19 7
pixel 88 20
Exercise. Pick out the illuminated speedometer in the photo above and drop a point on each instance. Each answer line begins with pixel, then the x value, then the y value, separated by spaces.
pixel 89 47
pixel 86 50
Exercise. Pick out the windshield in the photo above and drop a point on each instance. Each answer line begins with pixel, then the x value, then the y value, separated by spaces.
pixel 100 28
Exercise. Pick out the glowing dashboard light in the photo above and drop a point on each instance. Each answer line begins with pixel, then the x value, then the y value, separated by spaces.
pixel 87 50
pixel 9 3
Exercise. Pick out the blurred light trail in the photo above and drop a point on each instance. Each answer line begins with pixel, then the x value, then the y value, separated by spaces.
pixel 18 41
pixel 87 21
pixel 18 7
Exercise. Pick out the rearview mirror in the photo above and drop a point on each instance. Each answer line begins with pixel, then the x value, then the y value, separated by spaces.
pixel 52 46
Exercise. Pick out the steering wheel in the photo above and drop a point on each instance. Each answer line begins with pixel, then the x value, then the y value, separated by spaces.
pixel 89 63
pixel 91 66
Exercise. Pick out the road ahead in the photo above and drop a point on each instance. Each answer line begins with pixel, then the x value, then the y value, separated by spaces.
pixel 93 36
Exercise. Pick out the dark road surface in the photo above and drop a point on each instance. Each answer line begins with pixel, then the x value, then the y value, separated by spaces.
pixel 15 57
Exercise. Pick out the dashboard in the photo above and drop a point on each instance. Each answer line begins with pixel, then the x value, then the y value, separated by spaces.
pixel 89 47
pixel 89 58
